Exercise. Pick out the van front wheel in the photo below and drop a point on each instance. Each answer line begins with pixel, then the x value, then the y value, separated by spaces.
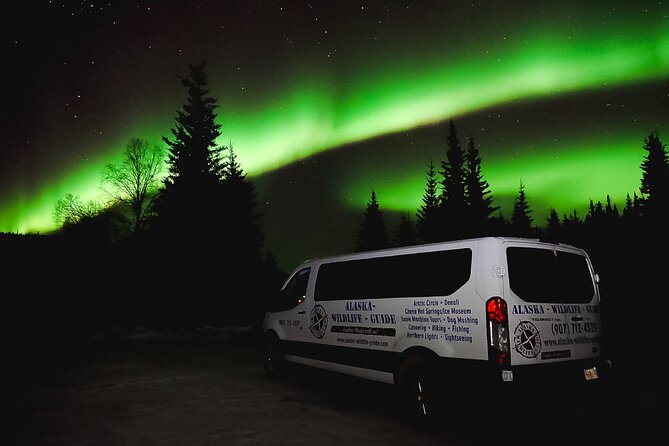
pixel 273 358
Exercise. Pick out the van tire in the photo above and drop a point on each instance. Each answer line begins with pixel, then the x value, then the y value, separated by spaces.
pixel 419 388
pixel 274 361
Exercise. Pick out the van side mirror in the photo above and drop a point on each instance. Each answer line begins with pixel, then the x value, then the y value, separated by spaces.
pixel 596 278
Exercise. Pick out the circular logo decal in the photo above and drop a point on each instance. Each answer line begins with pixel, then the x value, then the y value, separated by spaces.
pixel 318 321
pixel 527 339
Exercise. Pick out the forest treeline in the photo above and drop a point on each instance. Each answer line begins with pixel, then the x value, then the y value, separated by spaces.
pixel 180 242
pixel 458 203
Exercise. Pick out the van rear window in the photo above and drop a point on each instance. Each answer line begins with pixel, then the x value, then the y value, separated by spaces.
pixel 546 275
pixel 439 273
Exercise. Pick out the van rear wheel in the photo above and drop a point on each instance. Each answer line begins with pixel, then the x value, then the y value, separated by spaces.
pixel 420 391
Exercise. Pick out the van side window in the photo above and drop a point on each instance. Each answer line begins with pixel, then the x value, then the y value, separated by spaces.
pixel 438 273
pixel 293 293
pixel 544 275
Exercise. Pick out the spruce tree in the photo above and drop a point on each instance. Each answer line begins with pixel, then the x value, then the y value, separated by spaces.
pixel 243 241
pixel 655 179
pixel 521 221
pixel 631 213
pixel 611 214
pixel 372 234
pixel 453 199
pixel 190 204
pixel 242 221
pixel 595 213
pixel 571 228
pixel 427 216
pixel 573 218
pixel 479 196
pixel 553 226
pixel 628 205
pixel 406 233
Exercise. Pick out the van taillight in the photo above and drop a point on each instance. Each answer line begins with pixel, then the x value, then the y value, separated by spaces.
pixel 498 330
pixel 496 308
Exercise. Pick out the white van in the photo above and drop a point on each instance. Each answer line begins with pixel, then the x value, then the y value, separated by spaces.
pixel 474 318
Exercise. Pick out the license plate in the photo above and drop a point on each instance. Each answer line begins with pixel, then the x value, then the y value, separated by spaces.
pixel 507 375
pixel 590 373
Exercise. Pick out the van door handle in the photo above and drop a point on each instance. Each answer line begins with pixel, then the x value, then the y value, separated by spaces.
pixel 301 312
pixel 577 318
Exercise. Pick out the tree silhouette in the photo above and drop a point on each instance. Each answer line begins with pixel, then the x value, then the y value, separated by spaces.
pixel 428 222
pixel 71 209
pixel 553 226
pixel 134 180
pixel 194 155
pixel 406 233
pixel 655 179
pixel 372 234
pixel 453 199
pixel 243 241
pixel 521 221
pixel 242 221
pixel 573 228
pixel 84 222
pixel 631 215
pixel 191 200
pixel 571 219
pixel 611 210
pixel 595 214
pixel 479 196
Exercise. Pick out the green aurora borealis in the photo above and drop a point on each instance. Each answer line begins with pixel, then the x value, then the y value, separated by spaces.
pixel 537 67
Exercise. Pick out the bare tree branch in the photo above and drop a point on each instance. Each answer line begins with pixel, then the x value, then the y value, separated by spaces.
pixel 135 180
pixel 71 209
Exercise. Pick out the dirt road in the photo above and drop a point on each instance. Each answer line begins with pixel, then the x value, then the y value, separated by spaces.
pixel 213 391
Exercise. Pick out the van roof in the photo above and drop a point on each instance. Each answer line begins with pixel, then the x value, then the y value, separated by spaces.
pixel 428 247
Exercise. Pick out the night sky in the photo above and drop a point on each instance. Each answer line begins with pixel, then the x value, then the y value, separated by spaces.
pixel 326 100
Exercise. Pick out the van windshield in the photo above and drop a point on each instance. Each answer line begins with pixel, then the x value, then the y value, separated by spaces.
pixel 546 275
